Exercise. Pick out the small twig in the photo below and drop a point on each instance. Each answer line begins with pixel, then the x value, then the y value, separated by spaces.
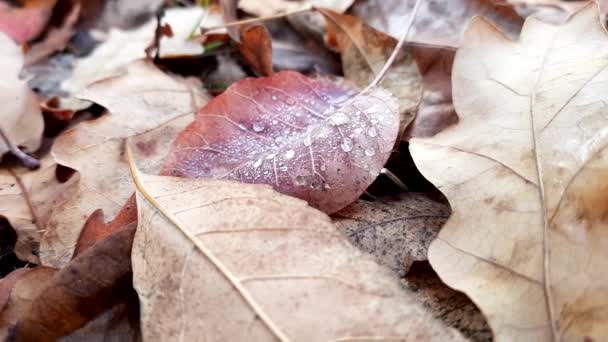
pixel 28 161
pixel 394 178
pixel 255 20
pixel 26 196
pixel 393 55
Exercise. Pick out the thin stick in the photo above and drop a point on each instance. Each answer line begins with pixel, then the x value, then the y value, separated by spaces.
pixel 27 198
pixel 255 20
pixel 29 162
pixel 393 55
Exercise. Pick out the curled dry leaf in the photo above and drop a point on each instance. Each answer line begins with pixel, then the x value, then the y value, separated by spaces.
pixel 21 119
pixel 438 22
pixel 525 171
pixel 143 103
pixel 397 231
pixel 256 48
pixel 306 137
pixel 365 51
pixel 272 7
pixel 436 110
pixel 232 261
pixel 123 47
pixel 27 199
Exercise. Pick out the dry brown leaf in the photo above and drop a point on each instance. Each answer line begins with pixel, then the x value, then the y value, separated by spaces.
pixel 397 231
pixel 436 110
pixel 27 199
pixel 256 48
pixel 438 22
pixel 143 103
pixel 21 119
pixel 272 7
pixel 365 51
pixel 526 173
pixel 230 261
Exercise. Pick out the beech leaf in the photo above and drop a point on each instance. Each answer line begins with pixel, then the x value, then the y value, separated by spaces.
pixel 309 138
pixel 228 261
pixel 526 173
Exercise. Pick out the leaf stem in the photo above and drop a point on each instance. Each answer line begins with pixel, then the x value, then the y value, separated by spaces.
pixel 255 20
pixel 393 55
pixel 28 161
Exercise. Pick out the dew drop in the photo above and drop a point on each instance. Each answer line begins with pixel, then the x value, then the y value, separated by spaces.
pixel 380 117
pixel 274 122
pixel 340 119
pixel 323 167
pixel 258 126
pixel 326 186
pixel 369 152
pixel 373 173
pixel 257 163
pixel 358 130
pixel 289 154
pixel 373 121
pixel 242 127
pixel 307 141
pixel 290 101
pixel 283 168
pixel 372 132
pixel 278 139
pixel 346 145
pixel 274 98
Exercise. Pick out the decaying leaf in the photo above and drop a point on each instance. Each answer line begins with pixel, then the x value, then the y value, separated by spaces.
pixel 143 103
pixel 256 48
pixel 309 138
pixel 67 299
pixel 230 261
pixel 436 110
pixel 272 7
pixel 526 173
pixel 21 119
pixel 365 51
pixel 27 199
pixel 397 231
pixel 438 22
pixel 123 47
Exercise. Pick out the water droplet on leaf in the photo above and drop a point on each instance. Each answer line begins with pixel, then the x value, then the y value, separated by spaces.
pixel 347 145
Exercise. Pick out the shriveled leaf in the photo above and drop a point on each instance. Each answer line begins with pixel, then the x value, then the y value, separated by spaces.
pixel 143 103
pixel 94 282
pixel 436 110
pixel 123 47
pixel 438 22
pixel 525 171
pixel 27 199
pixel 25 23
pixel 232 261
pixel 365 51
pixel 397 231
pixel 306 137
pixel 256 48
pixel 21 119
pixel 272 7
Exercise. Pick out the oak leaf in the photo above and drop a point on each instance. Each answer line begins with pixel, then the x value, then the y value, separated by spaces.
pixel 309 138
pixel 233 261
pixel 526 173
pixel 145 104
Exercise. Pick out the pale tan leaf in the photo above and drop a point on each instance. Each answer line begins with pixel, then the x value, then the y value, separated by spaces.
pixel 526 173
pixel 272 7
pixel 20 119
pixel 27 199
pixel 144 104
pixel 225 261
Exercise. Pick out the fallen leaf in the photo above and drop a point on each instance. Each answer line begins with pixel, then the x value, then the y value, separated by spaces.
pixel 228 260
pixel 256 48
pixel 307 137
pixel 143 103
pixel 525 172
pixel 365 51
pixel 438 22
pixel 21 119
pixel 436 110
pixel 123 47
pixel 25 23
pixel 57 38
pixel 27 199
pixel 554 11
pixel 8 282
pixel 92 283
pixel 396 231
pixel 273 7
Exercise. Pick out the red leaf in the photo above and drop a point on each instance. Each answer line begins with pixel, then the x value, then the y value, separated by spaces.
pixel 306 137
